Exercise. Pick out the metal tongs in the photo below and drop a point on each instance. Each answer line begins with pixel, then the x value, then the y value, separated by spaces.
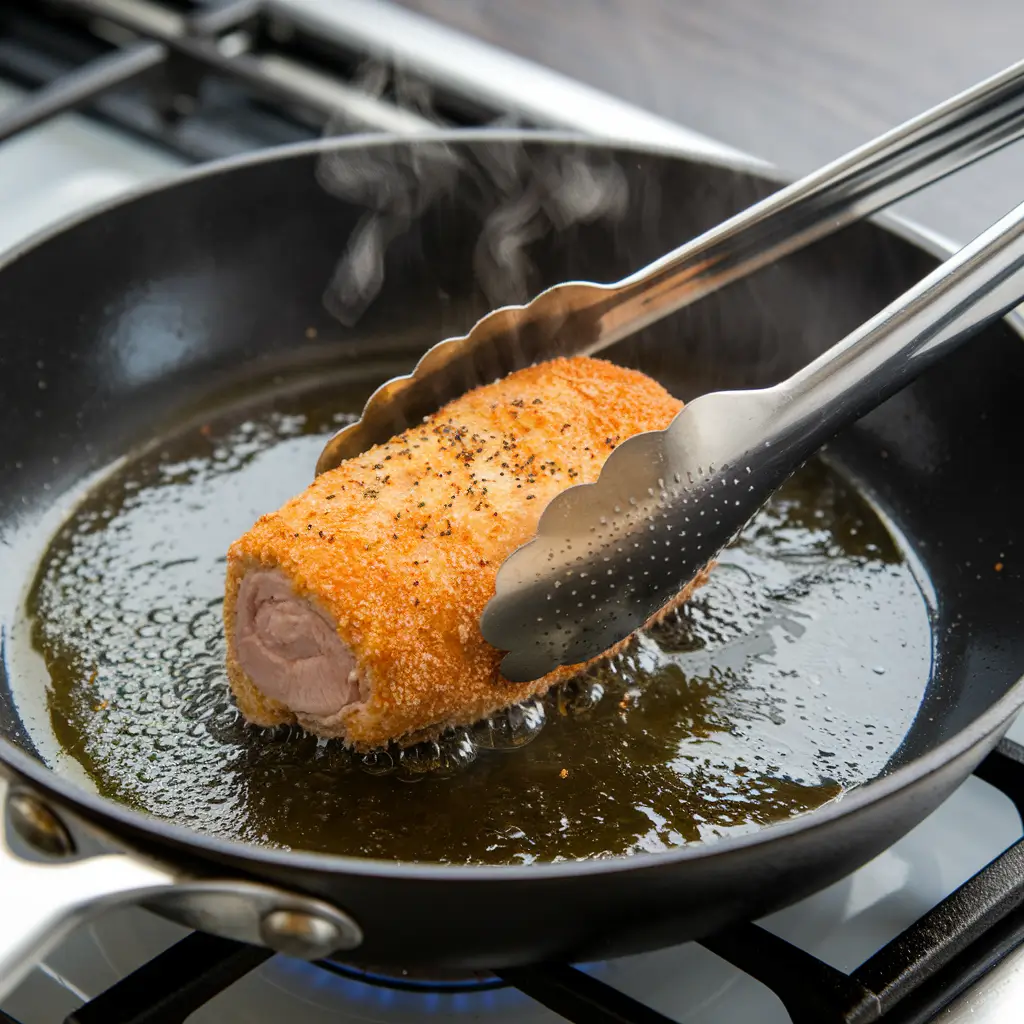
pixel 608 555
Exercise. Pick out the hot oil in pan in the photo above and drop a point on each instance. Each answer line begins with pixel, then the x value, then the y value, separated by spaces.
pixel 792 676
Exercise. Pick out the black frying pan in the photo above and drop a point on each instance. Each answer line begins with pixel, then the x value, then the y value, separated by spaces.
pixel 120 324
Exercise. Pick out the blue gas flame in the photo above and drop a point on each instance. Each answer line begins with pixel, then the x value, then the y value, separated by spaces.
pixel 451 998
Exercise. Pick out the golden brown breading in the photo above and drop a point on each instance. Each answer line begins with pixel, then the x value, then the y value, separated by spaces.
pixel 401 545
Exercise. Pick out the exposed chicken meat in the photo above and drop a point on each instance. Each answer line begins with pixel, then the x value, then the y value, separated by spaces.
pixel 292 647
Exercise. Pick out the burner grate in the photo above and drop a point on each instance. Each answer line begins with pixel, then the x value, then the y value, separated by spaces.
pixel 173 985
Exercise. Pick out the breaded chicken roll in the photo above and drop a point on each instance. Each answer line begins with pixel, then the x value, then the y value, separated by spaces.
pixel 353 610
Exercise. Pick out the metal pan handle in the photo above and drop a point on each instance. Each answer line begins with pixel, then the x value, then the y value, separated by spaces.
pixel 52 881
pixel 45 900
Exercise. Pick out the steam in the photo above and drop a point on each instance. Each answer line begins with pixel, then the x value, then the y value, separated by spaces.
pixel 544 193
pixel 395 185
pixel 521 193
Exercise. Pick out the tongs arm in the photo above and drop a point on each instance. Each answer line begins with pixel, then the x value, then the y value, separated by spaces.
pixel 667 502
pixel 905 159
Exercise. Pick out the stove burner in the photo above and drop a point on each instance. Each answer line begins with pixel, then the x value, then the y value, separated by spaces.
pixel 405 994
pixel 404 980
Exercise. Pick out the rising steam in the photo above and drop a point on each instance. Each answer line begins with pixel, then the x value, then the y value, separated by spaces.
pixel 522 194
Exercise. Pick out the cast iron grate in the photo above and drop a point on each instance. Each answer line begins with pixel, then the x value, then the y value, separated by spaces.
pixel 908 981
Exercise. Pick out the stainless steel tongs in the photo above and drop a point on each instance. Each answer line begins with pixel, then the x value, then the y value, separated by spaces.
pixel 668 501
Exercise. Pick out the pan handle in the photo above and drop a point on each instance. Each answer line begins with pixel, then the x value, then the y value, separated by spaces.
pixel 56 873
pixel 45 901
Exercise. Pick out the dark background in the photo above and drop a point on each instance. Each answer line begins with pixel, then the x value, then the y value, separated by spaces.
pixel 796 82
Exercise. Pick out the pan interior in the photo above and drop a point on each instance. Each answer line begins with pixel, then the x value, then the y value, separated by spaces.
pixel 794 676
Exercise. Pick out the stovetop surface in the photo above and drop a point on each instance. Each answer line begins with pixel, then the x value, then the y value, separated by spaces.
pixel 72 161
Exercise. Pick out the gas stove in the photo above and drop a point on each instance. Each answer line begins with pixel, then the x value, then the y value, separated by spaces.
pixel 929 930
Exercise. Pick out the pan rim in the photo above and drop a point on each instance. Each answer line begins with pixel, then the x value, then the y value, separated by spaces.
pixel 217 849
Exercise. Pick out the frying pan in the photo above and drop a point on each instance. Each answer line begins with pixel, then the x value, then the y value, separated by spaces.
pixel 141 310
